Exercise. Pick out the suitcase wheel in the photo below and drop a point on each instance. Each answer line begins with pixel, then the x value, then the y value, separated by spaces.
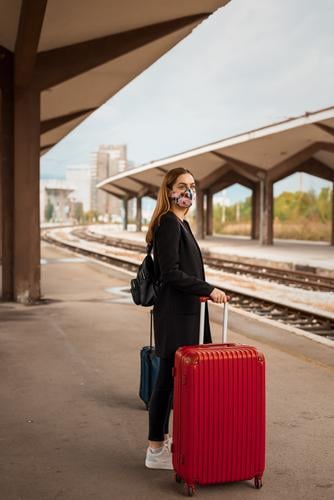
pixel 258 483
pixel 189 490
pixel 178 478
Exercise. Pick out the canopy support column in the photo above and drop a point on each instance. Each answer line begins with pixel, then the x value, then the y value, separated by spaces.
pixel 20 133
pixel 200 215
pixel 266 213
pixel 332 233
pixel 209 213
pixel 7 173
pixel 139 214
pixel 126 214
pixel 26 195
pixel 256 199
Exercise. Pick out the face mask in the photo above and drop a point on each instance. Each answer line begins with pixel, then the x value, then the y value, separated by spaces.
pixel 185 199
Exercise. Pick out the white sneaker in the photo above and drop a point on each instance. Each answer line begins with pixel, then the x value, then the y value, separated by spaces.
pixel 161 460
pixel 169 442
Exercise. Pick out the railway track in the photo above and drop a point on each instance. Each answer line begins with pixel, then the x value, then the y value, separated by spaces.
pixel 308 321
pixel 298 279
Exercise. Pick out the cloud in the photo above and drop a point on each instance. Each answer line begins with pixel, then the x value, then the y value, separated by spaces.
pixel 249 64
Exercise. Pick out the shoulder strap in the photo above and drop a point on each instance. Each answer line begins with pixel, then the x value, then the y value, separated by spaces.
pixel 150 245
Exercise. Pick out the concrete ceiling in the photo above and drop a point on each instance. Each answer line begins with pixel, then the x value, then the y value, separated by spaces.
pixel 304 143
pixel 88 50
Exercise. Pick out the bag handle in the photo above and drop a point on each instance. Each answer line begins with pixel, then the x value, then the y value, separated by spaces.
pixel 151 328
pixel 203 300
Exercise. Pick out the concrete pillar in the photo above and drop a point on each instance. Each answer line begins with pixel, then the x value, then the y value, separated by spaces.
pixel 19 185
pixel 7 174
pixel 200 214
pixel 266 213
pixel 1 189
pixel 256 199
pixel 209 213
pixel 138 214
pixel 26 195
pixel 332 234
pixel 126 214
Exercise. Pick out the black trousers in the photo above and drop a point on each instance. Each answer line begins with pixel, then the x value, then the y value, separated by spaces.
pixel 161 401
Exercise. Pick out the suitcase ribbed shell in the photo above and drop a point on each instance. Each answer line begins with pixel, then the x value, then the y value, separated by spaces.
pixel 219 413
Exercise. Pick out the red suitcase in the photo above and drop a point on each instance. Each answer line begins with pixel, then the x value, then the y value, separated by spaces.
pixel 219 413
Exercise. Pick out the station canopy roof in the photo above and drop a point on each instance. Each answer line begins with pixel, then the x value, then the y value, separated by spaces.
pixel 305 143
pixel 88 50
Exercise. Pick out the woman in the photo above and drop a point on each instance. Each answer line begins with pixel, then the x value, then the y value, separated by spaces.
pixel 179 265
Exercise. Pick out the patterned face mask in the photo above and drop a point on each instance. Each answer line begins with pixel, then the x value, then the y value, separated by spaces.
pixel 185 199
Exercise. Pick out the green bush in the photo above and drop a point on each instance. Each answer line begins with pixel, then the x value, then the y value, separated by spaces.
pixel 48 212
pixel 298 215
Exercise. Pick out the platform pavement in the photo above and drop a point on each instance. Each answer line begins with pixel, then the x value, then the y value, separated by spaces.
pixel 73 428
pixel 283 253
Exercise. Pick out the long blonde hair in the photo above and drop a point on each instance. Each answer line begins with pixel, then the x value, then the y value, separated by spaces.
pixel 163 201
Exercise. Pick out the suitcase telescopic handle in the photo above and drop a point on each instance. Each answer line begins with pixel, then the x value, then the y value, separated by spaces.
pixel 203 300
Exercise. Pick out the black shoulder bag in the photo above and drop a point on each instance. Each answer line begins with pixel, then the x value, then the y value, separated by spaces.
pixel 144 287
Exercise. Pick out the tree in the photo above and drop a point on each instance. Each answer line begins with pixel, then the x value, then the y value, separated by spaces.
pixel 48 212
pixel 298 215
pixel 78 212
pixel 325 203
pixel 91 216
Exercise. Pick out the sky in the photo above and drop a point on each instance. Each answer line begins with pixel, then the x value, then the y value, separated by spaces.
pixel 251 63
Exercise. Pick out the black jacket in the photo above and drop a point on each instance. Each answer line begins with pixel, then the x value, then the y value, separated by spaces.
pixel 178 263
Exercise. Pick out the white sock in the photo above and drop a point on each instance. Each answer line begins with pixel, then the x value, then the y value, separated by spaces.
pixel 156 450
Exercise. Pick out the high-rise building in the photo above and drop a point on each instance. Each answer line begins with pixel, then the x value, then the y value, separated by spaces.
pixel 118 161
pixel 79 177
pixel 107 161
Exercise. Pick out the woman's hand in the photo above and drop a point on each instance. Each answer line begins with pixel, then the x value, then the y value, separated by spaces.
pixel 218 296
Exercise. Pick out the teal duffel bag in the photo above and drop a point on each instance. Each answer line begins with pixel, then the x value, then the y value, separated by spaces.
pixel 149 369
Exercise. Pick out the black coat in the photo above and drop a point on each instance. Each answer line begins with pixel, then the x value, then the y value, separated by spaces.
pixel 178 263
